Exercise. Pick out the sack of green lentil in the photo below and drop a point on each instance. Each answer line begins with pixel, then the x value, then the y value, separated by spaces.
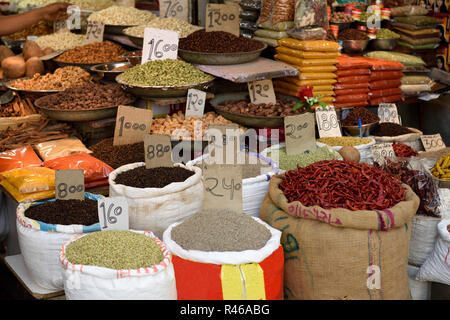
pixel 155 208
pixel 363 147
pixel 255 184
pixel 42 228
pixel 225 255
pixel 342 254
pixel 117 265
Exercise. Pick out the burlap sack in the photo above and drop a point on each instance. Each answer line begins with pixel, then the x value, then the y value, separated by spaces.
pixel 342 254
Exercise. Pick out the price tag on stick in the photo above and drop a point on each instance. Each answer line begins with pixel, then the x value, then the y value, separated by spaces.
pixel 261 91
pixel 222 186
pixel 381 151
pixel 69 184
pixel 113 213
pixel 300 133
pixel 327 122
pixel 387 112
pixel 94 32
pixel 222 17
pixel 174 8
pixel 432 142
pixel 158 151
pixel 132 124
pixel 225 143
pixel 159 45
pixel 195 104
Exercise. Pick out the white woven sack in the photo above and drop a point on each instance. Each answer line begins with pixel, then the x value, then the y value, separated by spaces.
pixel 410 139
pixel 437 266
pixel 253 189
pixel 82 282
pixel 40 245
pixel 155 209
pixel 226 257
pixel 364 150
pixel 420 290
pixel 424 235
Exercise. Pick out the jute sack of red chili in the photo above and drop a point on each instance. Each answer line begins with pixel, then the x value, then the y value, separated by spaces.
pixel 331 251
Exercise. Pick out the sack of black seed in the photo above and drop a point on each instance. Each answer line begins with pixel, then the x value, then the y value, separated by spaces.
pixel 43 227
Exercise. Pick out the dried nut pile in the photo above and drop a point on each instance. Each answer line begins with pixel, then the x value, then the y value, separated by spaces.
pixel 86 97
pixel 341 17
pixel 353 34
pixel 343 141
pixel 184 28
pixel 38 29
pixel 82 4
pixel 98 52
pixel 61 79
pixel 282 107
pixel 114 249
pixel 181 128
pixel 168 72
pixel 122 16
pixel 60 41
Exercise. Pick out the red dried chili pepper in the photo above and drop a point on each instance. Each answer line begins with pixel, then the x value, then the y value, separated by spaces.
pixel 403 150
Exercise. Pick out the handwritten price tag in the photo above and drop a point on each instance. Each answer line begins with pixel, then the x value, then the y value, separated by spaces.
pixel 159 45
pixel 222 17
pixel 300 133
pixel 113 213
pixel 327 122
pixel 195 104
pixel 132 124
pixel 158 151
pixel 381 151
pixel 222 186
pixel 94 32
pixel 432 142
pixel 225 142
pixel 387 112
pixel 174 8
pixel 69 184
pixel 261 91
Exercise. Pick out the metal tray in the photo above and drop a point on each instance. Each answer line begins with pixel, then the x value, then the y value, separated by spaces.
pixel 147 92
pixel 247 120
pixel 219 58
pixel 104 70
pixel 35 92
pixel 14 44
pixel 117 30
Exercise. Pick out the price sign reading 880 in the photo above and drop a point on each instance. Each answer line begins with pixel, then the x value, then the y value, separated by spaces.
pixel 158 151
pixel 381 151
pixel 327 122
pixel 69 184
pixel 222 17
pixel 113 213
pixel 174 8
pixel 159 45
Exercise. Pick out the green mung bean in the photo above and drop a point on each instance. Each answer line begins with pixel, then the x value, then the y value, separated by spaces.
pixel 115 249
pixel 290 162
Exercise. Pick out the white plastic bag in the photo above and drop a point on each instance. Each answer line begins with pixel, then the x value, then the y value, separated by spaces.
pixel 82 282
pixel 40 244
pixel 155 209
pixel 364 150
pixel 437 266
pixel 420 290
pixel 423 238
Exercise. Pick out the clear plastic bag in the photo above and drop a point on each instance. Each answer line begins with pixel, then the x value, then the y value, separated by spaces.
pixel 308 33
pixel 277 35
pixel 311 13
pixel 276 11
pixel 416 80
pixel 251 5
pixel 352 98
pixel 343 92
pixel 403 58
pixel 268 41
pixel 49 150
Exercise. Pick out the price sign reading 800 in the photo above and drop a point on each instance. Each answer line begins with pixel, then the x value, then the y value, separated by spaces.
pixel 159 44
pixel 69 184
pixel 327 123
pixel 113 213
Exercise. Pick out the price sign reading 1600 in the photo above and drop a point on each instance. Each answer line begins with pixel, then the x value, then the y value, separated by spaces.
pixel 159 45
pixel 158 48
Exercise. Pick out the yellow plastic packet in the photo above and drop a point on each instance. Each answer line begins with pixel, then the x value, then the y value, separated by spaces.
pixel 304 62
pixel 330 68
pixel 285 91
pixel 296 81
pixel 327 100
pixel 310 45
pixel 21 197
pixel 286 85
pixel 317 82
pixel 307 54
pixel 31 179
pixel 318 75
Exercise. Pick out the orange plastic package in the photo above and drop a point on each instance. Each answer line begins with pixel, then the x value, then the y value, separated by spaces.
pixel 346 86
pixel 95 171
pixel 354 79
pixel 352 98
pixel 380 64
pixel 385 75
pixel 347 62
pixel 19 158
pixel 353 72
pixel 385 93
pixel 390 99
pixel 343 92
pixel 385 84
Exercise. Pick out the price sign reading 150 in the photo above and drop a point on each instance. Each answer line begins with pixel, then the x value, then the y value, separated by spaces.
pixel 159 45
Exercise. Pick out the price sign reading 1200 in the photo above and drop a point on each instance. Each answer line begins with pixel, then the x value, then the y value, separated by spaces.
pixel 222 17
pixel 159 45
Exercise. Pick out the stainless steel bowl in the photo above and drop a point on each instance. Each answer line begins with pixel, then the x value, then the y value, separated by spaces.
pixel 105 70
pixel 354 130
pixel 384 44
pixel 354 46
pixel 133 60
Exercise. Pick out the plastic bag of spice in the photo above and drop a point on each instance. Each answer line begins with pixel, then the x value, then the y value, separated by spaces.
pixel 385 84
pixel 29 180
pixel 354 79
pixel 19 158
pixel 385 93
pixel 304 62
pixel 386 99
pixel 60 148
pixel 311 13
pixel 312 45
pixel 328 237
pixel 308 34
pixel 40 242
pixel 276 11
pixel 307 54
pixel 385 75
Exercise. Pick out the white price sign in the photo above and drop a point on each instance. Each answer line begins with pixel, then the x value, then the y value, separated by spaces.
pixel 327 122
pixel 113 213
pixel 159 45
pixel 381 151
pixel 94 32
pixel 261 91
pixel 174 8
pixel 387 112
pixel 432 142
pixel 195 104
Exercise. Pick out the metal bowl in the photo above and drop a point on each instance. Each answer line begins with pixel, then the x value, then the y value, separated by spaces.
pixel 105 70
pixel 136 40
pixel 384 44
pixel 14 45
pixel 149 92
pixel 354 130
pixel 354 46
pixel 85 66
pixel 10 86
pixel 219 58
pixel 117 30
pixel 133 60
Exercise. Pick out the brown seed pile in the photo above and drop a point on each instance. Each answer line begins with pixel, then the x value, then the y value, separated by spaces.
pixel 282 107
pixel 98 52
pixel 220 230
pixel 362 113
pixel 117 156
pixel 388 129
pixel 141 177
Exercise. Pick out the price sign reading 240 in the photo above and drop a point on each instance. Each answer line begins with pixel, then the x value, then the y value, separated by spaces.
pixel 159 45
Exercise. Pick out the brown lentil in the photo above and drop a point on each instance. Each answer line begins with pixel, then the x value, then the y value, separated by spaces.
pixel 98 52
pixel 117 156
pixel 160 177
pixel 388 129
